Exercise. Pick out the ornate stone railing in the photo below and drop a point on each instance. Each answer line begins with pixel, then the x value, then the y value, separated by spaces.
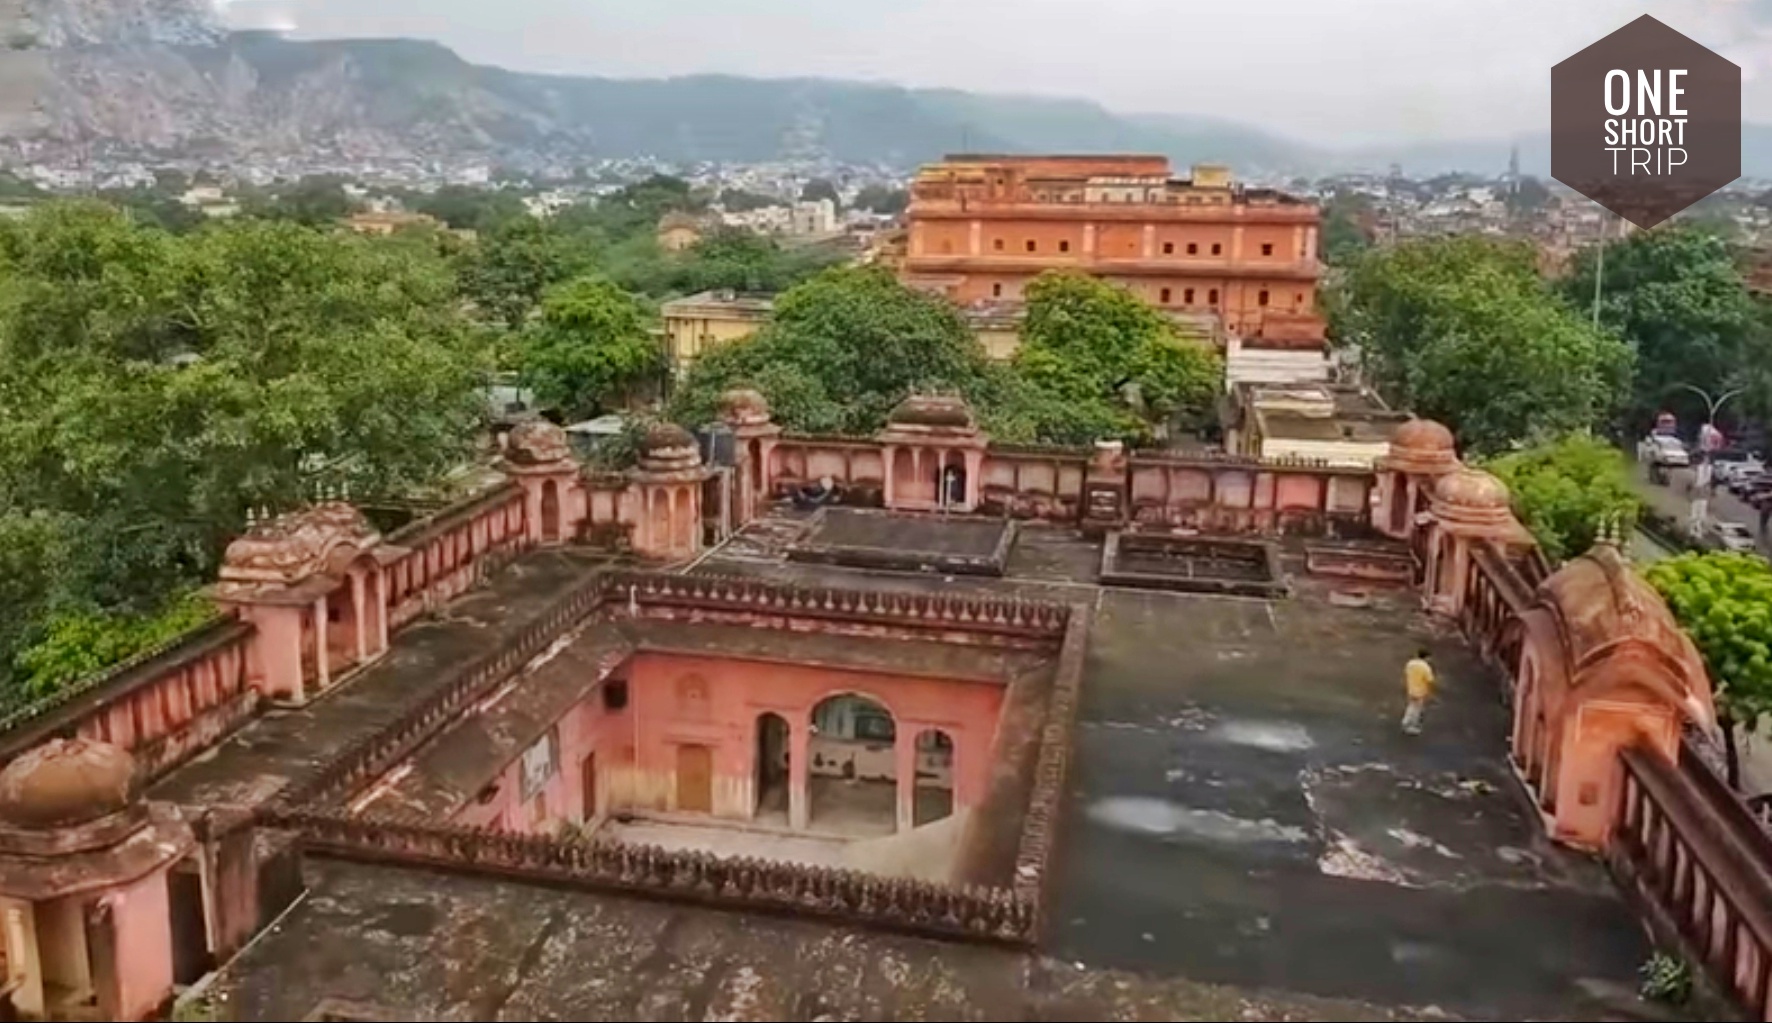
pixel 1697 874
pixel 914 610
pixel 1495 597
pixel 982 913
pixel 374 755
pixel 453 550
pixel 193 678
pixel 1040 826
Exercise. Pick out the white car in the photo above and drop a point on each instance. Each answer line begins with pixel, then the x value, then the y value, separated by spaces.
pixel 1728 470
pixel 1731 536
pixel 1663 450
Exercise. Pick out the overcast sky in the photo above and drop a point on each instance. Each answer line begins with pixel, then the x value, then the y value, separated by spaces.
pixel 1326 70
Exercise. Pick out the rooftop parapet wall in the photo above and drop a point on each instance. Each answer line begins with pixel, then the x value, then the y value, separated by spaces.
pixel 978 913
pixel 917 611
pixel 170 702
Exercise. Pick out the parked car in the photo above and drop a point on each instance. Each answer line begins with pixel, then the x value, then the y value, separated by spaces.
pixel 1666 452
pixel 1730 536
pixel 1744 484
pixel 1732 465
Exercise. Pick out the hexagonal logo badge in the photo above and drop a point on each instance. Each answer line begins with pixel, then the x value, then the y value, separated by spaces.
pixel 1646 122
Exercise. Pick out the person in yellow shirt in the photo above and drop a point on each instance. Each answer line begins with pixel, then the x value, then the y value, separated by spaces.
pixel 1418 680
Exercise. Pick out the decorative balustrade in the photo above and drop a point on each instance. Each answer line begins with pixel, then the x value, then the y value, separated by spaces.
pixel 917 610
pixel 1039 829
pixel 1495 596
pixel 979 913
pixel 453 550
pixel 1706 877
pixel 374 755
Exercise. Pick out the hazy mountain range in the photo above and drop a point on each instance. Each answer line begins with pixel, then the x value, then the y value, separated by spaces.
pixel 159 77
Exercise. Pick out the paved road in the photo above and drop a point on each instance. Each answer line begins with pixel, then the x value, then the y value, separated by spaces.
pixel 1673 500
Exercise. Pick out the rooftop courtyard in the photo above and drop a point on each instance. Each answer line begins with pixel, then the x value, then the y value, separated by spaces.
pixel 1243 815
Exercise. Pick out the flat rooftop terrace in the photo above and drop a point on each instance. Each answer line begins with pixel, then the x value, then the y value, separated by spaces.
pixel 1243 815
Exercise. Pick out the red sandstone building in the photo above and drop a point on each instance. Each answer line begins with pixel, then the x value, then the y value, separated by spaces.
pixel 516 777
pixel 983 227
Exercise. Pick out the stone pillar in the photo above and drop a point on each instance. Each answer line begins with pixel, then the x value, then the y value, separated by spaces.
pixel 322 650
pixel 1150 240
pixel 276 649
pixel 975 237
pixel 360 628
pixel 382 590
pixel 1089 241
pixel 974 479
pixel 905 758
pixel 890 454
pixel 799 774
pixel 1309 254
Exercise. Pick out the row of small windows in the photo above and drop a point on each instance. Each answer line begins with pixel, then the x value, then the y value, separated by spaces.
pixel 1193 248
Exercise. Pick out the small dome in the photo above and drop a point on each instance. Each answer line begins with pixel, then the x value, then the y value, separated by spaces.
pixel 537 442
pixel 1473 489
pixel 1423 447
pixel 743 406
pixel 668 448
pixel 666 436
pixel 65 782
pixel 934 410
pixel 297 545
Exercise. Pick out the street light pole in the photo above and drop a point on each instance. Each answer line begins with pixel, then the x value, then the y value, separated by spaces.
pixel 1600 270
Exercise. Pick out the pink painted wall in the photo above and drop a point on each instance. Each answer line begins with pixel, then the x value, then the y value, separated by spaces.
pixel 670 715
pixel 162 705
pixel 142 917
pixel 709 701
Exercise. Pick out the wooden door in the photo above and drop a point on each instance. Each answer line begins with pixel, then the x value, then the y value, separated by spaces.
pixel 588 778
pixel 695 779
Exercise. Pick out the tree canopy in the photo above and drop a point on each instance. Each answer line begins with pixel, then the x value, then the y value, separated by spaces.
pixel 1106 363
pixel 1465 331
pixel 590 346
pixel 883 199
pixel 840 351
pixel 1566 490
pixel 154 387
pixel 1676 297
pixel 1724 601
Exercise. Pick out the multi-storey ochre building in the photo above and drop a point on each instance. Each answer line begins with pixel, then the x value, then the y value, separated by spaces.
pixel 983 227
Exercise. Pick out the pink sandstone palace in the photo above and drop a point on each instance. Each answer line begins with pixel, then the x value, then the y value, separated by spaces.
pixel 666 745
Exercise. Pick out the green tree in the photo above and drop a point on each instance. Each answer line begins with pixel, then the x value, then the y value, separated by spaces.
pixel 506 272
pixel 315 200
pixel 840 351
pixel 153 387
pixel 821 188
pixel 1344 227
pixel 1465 331
pixel 1677 297
pixel 882 199
pixel 739 200
pixel 742 260
pixel 590 347
pixel 1106 359
pixel 1724 601
pixel 1566 490
pixel 465 207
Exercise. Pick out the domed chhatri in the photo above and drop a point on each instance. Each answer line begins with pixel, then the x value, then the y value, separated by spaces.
pixel 298 545
pixel 537 442
pixel 933 412
pixel 743 406
pixel 1422 447
pixel 1472 495
pixel 66 782
pixel 667 447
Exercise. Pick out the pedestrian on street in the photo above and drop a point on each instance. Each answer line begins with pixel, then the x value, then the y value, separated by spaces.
pixel 1418 683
